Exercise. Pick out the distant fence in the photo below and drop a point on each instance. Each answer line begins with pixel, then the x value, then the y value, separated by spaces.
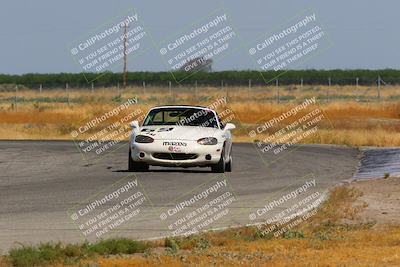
pixel 170 93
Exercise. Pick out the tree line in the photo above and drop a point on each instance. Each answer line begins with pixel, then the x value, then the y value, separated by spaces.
pixel 237 78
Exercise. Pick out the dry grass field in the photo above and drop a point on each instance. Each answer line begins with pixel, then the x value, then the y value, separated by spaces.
pixel 353 115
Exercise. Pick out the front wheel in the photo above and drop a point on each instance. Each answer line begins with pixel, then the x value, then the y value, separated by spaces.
pixel 134 166
pixel 228 166
pixel 220 166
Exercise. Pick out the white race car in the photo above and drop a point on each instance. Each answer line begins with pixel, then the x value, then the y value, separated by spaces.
pixel 183 136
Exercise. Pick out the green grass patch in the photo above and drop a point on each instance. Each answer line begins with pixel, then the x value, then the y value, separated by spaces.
pixel 49 253
pixel 117 246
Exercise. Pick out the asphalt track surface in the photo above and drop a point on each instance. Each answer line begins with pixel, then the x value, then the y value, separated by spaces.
pixel 43 182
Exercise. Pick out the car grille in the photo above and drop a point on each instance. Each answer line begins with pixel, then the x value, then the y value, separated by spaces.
pixel 174 156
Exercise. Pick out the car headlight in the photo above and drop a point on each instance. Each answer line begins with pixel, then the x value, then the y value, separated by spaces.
pixel 207 141
pixel 143 139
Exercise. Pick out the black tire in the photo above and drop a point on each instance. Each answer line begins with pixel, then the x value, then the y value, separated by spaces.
pixel 134 166
pixel 220 166
pixel 228 166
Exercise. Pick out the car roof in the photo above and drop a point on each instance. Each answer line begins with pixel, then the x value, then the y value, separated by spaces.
pixel 181 106
pixel 187 106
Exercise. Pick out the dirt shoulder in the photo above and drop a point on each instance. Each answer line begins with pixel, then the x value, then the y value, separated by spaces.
pixel 380 200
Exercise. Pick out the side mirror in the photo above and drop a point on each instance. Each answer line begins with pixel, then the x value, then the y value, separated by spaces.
pixel 134 125
pixel 229 126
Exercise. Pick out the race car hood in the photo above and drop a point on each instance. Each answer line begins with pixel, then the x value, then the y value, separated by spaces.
pixel 172 132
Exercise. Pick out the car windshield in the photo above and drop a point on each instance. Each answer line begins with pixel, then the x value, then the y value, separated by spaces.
pixel 182 117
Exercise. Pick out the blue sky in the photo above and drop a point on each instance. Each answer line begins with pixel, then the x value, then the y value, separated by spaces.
pixel 35 35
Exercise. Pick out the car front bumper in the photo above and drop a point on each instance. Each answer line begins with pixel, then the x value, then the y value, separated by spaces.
pixel 160 154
